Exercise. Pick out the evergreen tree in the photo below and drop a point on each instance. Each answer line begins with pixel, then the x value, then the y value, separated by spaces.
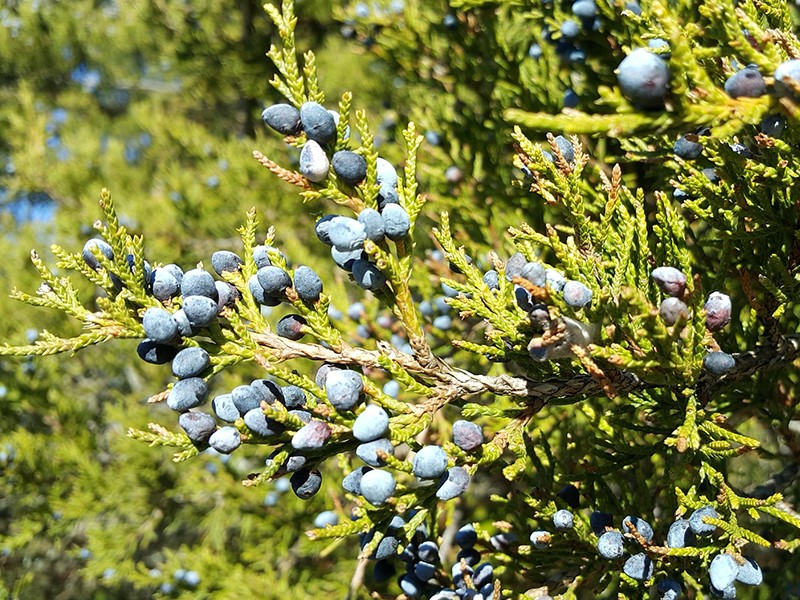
pixel 590 382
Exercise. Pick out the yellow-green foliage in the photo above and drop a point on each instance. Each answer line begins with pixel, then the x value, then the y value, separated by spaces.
pixel 605 401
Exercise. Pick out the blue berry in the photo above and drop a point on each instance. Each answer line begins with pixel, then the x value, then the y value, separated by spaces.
pixel 503 541
pixel 672 310
pixel 352 481
pixel 718 363
pixel 585 9
pixel 318 124
pixel 367 275
pixel 639 567
pixel 198 426
pixel 387 547
pixel 386 173
pixel 346 234
pixel 154 353
pixel 661 47
pixel 788 71
pixel 642 526
pixel 718 311
pixel 555 279
pixel 540 539
pixel 514 266
pixel 227 294
pixel 467 435
pixel 470 556
pixel 224 261
pixel 273 280
pixel 371 424
pixel 294 463
pixel 466 537
pixel 727 594
pixel 261 255
pixel 160 326
pixel 268 391
pixel 293 397
pixel 311 436
pixel 711 174
pixel 430 462
pixel 164 284
pixel 722 571
pixel 570 29
pixel 491 279
pixel 670 281
pixel 373 224
pixel 687 150
pixel 198 282
pixel 424 570
pixel 88 252
pixel 225 439
pixel 680 534
pixel 747 83
pixel 323 372
pixel 566 148
pixel 428 551
pixel 570 99
pixel 187 393
pixel 368 451
pixel 598 521
pixel 610 545
pixel 190 362
pixel 644 78
pixel 391 388
pixel 350 167
pixel 377 486
pixel 410 585
pixel 306 483
pixel 321 229
pixel 569 494
pixel 291 327
pixel 326 518
pixel 314 162
pixel 442 322
pixel 750 573
pixel 200 310
pixel 699 526
pixel 535 273
pixel 668 589
pixel 191 579
pixel 245 398
pixel 283 118
pixel 344 388
pixel 258 293
pixel 453 483
pixel 396 221
pixel 258 423
pixel 224 408
pixel 772 125
pixel 482 575
pixel 563 519
pixel 576 294
pixel 347 259
pixel 453 174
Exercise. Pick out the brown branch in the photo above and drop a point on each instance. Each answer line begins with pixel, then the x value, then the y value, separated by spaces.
pixel 457 383
pixel 292 177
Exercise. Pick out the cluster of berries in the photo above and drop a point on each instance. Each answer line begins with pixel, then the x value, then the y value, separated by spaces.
pixel 430 463
pixel 636 533
pixel 345 235
pixel 673 310
pixel 469 578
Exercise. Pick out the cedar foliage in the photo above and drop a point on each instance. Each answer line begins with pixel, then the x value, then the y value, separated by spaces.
pixel 607 397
